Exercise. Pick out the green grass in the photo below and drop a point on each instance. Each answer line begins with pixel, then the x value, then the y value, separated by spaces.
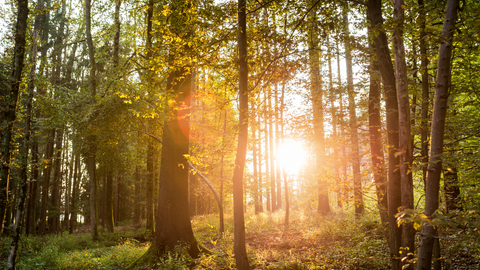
pixel 337 241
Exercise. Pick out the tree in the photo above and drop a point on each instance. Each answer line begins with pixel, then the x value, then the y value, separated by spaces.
pixel 374 15
pixel 317 106
pixel 18 57
pixel 10 100
pixel 238 214
pixel 442 87
pixel 355 157
pixel 91 159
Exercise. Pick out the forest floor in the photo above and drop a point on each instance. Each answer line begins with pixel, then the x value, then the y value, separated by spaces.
pixel 338 241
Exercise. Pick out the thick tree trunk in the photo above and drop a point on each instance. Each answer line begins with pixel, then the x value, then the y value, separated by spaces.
pixel 442 87
pixel 11 99
pixel 355 155
pixel 376 142
pixel 374 15
pixel 10 107
pixel 238 214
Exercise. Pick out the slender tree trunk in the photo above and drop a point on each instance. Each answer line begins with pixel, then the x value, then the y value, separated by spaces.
pixel 277 146
pixel 68 192
pixel 425 91
pixel 334 122
pixel 31 218
pixel 408 233
pixel 92 139
pixel 109 201
pixel 224 135
pixel 374 15
pixel 238 214
pixel 316 92
pixel 46 180
pixel 76 175
pixel 267 153
pixel 54 212
pixel 342 132
pixel 254 157
pixel 442 87
pixel 260 176
pixel 11 100
pixel 355 155
pixel 272 151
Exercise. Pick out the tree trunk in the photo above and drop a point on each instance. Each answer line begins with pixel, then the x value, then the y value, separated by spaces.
pixel 254 159
pixel 46 180
pixel 260 175
pixel 267 160
pixel 317 104
pixel 425 91
pixel 91 163
pixel 76 175
pixel 54 212
pixel 374 15
pixel 343 185
pixel 10 107
pixel 272 151
pixel 355 156
pixel 109 201
pixel 408 233
pixel 238 215
pixel 12 98
pixel 442 87
pixel 376 142
pixel 31 218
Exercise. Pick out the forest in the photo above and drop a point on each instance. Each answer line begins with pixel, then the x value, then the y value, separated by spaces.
pixel 216 134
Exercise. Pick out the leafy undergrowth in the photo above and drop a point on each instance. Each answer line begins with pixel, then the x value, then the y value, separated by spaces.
pixel 338 241
pixel 310 242
pixel 78 251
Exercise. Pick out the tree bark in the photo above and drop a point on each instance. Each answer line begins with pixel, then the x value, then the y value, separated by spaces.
pixel 425 91
pixel 31 218
pixel 317 106
pixel 238 214
pixel 76 175
pixel 442 87
pixel 408 233
pixel 355 157
pixel 91 158
pixel 10 107
pixel 12 99
pixel 374 15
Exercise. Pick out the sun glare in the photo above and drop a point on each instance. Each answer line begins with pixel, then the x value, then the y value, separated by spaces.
pixel 291 156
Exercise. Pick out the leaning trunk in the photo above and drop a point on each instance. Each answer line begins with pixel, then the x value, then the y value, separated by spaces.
pixel 442 86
